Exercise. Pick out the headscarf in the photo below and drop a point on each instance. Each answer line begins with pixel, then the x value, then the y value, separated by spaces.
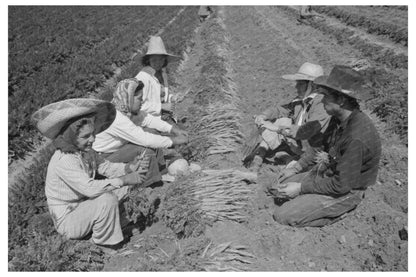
pixel 66 142
pixel 123 95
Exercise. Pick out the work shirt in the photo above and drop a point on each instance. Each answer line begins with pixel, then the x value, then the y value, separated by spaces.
pixel 123 130
pixel 308 116
pixel 151 91
pixel 69 181
pixel 354 148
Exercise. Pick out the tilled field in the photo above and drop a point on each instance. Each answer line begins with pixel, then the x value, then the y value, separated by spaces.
pixel 242 53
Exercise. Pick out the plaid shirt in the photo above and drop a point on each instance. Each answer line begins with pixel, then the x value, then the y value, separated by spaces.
pixel 354 148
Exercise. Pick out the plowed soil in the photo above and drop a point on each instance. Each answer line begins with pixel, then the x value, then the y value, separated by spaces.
pixel 266 43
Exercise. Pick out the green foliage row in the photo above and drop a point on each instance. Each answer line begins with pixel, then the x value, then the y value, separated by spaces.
pixel 86 65
pixel 396 33
pixel 390 100
pixel 33 243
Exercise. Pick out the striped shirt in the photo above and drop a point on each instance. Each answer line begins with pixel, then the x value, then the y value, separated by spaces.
pixel 68 182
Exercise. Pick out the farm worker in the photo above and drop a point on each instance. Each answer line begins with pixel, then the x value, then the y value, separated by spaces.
pixel 204 12
pixel 290 134
pixel 306 13
pixel 124 140
pixel 352 149
pixel 79 203
pixel 156 95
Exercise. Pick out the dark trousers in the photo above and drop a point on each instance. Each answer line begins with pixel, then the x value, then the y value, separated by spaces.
pixel 128 152
pixel 315 210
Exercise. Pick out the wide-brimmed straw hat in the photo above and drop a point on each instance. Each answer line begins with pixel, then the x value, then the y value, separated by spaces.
pixel 344 80
pixel 307 71
pixel 157 47
pixel 50 119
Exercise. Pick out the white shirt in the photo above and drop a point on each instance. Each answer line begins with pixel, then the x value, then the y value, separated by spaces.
pixel 123 130
pixel 151 91
pixel 303 111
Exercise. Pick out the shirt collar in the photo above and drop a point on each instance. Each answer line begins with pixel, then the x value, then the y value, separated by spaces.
pixel 305 99
pixel 347 121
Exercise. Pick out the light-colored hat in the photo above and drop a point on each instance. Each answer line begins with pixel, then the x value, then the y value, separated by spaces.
pixel 157 47
pixel 50 119
pixel 344 80
pixel 308 71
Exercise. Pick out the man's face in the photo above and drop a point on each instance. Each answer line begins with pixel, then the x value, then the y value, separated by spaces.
pixel 85 137
pixel 301 86
pixel 331 105
pixel 157 61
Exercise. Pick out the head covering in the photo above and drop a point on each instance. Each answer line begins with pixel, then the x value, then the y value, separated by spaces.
pixel 124 93
pixel 51 120
pixel 157 47
pixel 66 141
pixel 307 71
pixel 344 80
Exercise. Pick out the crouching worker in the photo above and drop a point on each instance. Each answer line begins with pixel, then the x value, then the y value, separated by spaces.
pixel 336 184
pixel 286 128
pixel 78 202
pixel 124 141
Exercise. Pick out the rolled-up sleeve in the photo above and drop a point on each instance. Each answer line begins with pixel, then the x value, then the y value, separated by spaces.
pixel 157 123
pixel 130 132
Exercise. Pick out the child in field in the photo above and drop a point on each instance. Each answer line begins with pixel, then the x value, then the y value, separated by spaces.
pixel 153 75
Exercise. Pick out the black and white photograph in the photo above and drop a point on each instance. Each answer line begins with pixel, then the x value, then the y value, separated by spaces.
pixel 207 137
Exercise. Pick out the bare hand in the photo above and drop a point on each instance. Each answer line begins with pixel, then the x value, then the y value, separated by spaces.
pixel 179 132
pixel 289 190
pixel 179 140
pixel 130 179
pixel 286 173
pixel 259 119
pixel 167 107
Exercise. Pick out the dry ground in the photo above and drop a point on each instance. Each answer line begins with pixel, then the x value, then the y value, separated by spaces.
pixel 266 43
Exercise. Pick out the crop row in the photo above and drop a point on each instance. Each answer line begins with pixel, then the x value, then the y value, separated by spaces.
pixel 33 243
pixel 389 88
pixel 397 33
pixel 79 73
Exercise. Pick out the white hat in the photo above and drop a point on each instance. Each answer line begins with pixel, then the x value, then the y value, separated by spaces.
pixel 157 47
pixel 308 71
pixel 50 119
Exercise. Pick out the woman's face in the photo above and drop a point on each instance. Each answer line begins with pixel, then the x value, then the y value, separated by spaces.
pixel 85 137
pixel 137 101
pixel 157 61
